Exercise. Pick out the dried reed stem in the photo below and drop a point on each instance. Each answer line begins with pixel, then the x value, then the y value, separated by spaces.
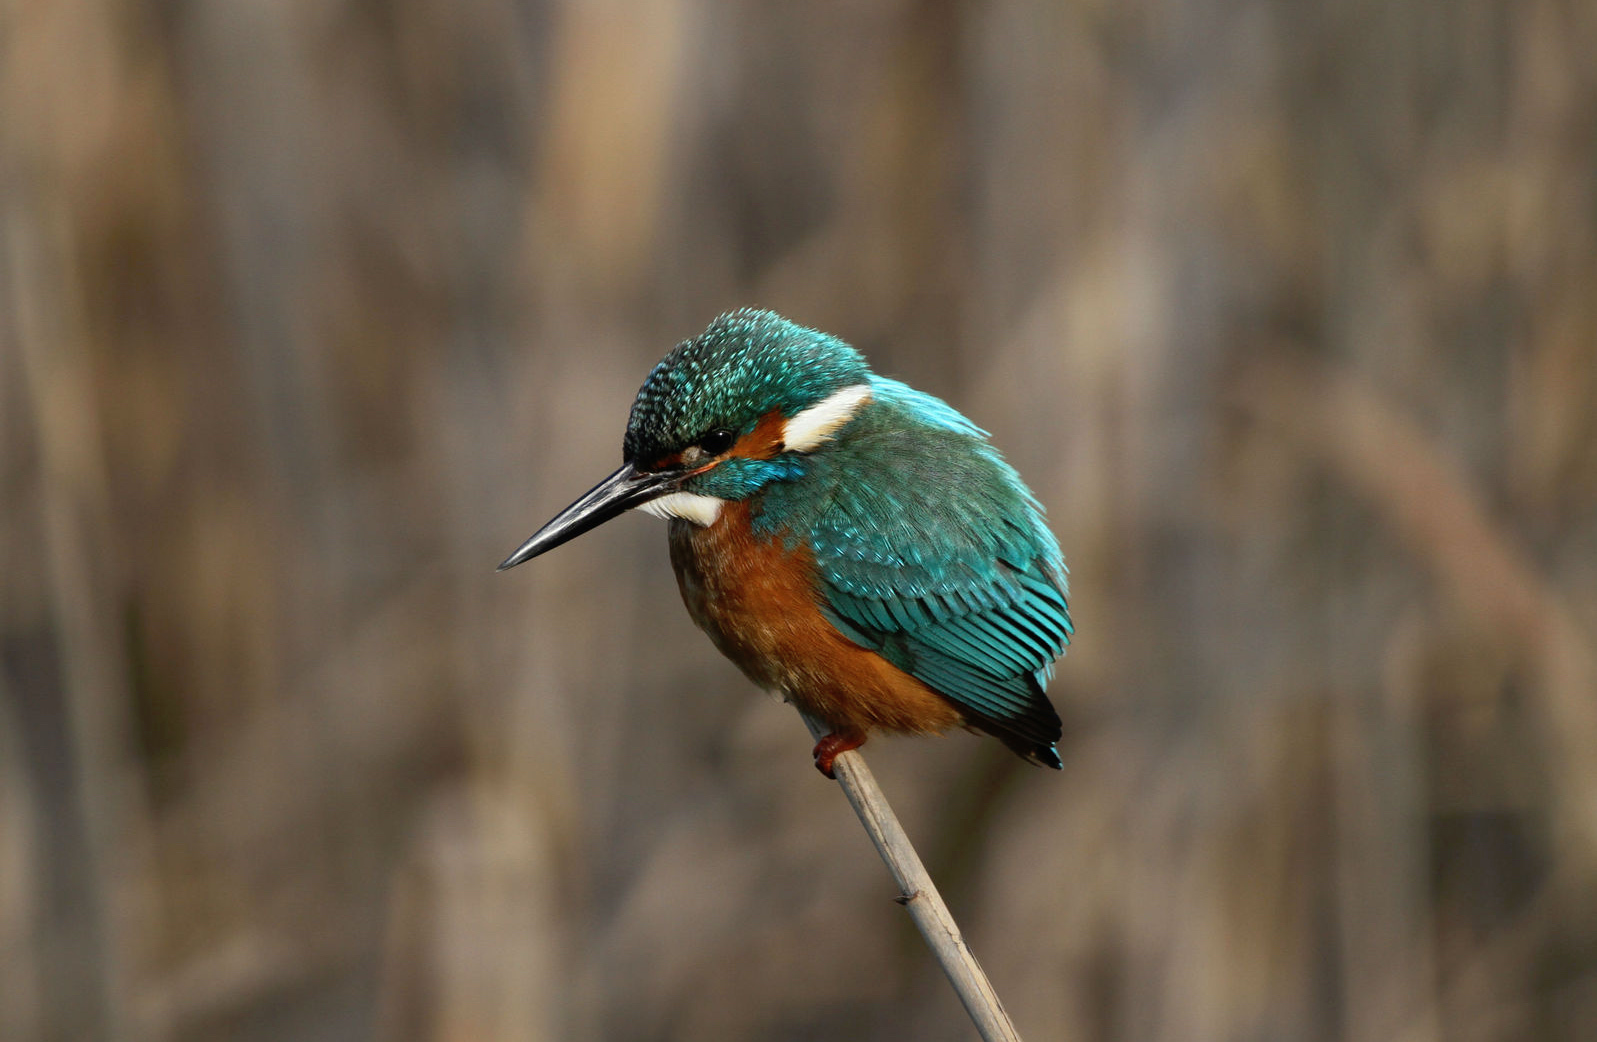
pixel 919 895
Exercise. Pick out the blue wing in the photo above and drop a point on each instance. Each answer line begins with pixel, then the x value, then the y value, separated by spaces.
pixel 941 563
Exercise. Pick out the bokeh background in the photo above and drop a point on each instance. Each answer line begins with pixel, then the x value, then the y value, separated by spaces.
pixel 312 310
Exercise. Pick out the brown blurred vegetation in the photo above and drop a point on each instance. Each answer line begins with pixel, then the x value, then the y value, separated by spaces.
pixel 309 312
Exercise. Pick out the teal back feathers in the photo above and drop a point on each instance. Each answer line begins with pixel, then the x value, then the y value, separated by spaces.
pixel 930 550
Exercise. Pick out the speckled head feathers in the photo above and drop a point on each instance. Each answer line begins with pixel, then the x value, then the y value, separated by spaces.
pixel 745 365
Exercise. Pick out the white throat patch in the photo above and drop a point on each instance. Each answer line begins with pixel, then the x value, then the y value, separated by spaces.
pixel 689 506
pixel 814 427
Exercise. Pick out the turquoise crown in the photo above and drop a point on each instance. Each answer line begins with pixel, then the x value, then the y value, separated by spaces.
pixel 744 365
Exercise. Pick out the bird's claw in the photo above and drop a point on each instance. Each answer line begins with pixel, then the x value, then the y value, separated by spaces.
pixel 831 746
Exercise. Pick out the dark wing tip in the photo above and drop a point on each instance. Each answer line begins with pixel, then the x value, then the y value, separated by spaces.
pixel 1033 735
pixel 1046 756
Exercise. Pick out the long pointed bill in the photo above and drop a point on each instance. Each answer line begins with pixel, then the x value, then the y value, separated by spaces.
pixel 616 494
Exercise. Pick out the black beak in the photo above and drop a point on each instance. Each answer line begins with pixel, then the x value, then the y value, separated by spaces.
pixel 616 494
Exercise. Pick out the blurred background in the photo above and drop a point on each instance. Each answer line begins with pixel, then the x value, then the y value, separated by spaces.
pixel 311 311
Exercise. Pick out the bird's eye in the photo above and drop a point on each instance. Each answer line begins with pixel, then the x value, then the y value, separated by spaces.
pixel 717 441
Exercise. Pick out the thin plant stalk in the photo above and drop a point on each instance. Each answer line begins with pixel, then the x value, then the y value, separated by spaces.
pixel 918 894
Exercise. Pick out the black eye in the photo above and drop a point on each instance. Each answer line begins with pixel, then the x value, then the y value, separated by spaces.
pixel 717 441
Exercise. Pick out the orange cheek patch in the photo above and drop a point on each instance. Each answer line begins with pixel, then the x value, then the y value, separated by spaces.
pixel 764 441
pixel 666 462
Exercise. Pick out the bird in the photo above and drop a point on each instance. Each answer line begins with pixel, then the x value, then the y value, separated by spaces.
pixel 855 546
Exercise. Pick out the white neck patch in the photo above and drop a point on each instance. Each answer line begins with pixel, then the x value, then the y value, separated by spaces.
pixel 689 506
pixel 814 427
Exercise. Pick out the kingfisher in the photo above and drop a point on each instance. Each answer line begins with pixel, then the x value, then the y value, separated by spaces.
pixel 855 546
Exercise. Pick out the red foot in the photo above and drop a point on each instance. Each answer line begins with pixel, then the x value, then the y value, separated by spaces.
pixel 828 748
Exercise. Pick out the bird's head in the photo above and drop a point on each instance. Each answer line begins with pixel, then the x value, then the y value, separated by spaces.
pixel 719 418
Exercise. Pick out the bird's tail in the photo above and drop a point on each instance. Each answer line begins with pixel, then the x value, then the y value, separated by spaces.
pixel 1041 755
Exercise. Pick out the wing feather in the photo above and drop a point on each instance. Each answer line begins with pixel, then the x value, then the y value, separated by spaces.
pixel 956 580
pixel 940 561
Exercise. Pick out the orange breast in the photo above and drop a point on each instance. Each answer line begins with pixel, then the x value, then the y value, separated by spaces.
pixel 757 601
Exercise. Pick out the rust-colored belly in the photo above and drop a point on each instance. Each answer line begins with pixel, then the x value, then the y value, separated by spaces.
pixel 757 601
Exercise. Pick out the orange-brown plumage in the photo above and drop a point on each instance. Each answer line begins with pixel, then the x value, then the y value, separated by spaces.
pixel 756 599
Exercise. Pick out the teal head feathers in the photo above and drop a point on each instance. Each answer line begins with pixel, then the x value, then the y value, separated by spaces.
pixel 851 543
pixel 746 365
